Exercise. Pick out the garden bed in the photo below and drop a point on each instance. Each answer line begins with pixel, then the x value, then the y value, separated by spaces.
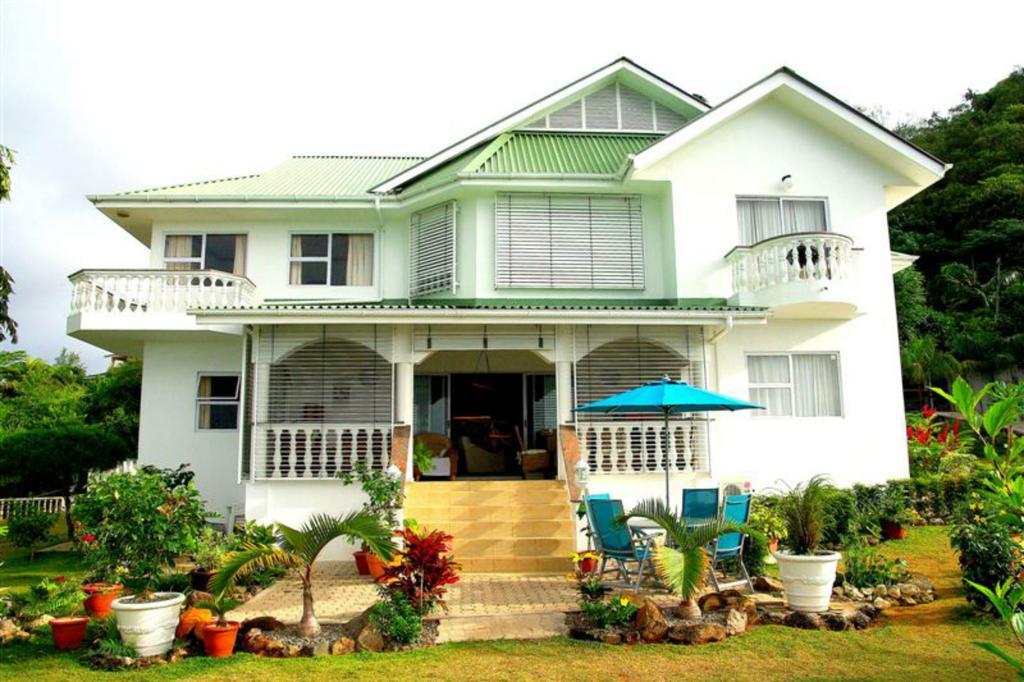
pixel 271 638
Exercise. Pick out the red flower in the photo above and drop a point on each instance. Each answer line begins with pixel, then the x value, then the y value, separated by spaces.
pixel 928 412
pixel 923 434
pixel 89 538
pixel 60 579
pixel 910 433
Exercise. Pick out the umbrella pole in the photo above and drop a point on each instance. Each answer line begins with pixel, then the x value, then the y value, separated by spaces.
pixel 667 443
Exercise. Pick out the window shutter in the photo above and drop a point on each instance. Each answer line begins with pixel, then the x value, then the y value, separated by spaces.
pixel 432 250
pixel 569 241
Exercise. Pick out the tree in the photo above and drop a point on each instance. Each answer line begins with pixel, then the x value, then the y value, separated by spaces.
pixel 58 460
pixel 682 562
pixel 113 399
pixel 297 549
pixel 924 363
pixel 8 327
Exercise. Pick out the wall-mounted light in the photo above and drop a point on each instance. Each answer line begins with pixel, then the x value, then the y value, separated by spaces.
pixel 582 472
pixel 786 182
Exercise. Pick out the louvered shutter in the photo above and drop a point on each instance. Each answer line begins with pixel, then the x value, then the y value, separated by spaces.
pixel 323 399
pixel 569 241
pixel 432 250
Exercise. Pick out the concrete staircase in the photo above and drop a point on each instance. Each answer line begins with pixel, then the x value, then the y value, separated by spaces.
pixel 499 526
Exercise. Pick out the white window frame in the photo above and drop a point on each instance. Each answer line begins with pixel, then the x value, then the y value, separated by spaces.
pixel 763 414
pixel 779 200
pixel 236 401
pixel 330 247
pixel 201 258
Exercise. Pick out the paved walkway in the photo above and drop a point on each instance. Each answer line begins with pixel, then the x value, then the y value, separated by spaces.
pixel 480 605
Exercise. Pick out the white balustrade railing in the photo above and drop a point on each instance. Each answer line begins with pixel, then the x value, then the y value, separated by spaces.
pixel 47 505
pixel 315 450
pixel 137 292
pixel 804 256
pixel 639 447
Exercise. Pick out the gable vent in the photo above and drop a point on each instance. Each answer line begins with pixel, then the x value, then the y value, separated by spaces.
pixel 614 107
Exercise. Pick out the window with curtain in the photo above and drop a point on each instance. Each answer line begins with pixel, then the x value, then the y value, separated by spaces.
pixel 341 260
pixel 795 384
pixel 762 218
pixel 223 252
pixel 217 401
pixel 569 241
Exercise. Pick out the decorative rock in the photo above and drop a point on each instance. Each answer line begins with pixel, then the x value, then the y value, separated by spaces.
pixel 721 601
pixel 910 590
pixel 835 620
pixel 735 622
pixel 859 620
pixel 854 594
pixel 763 583
pixel 772 617
pixel 177 654
pixel 341 646
pixel 880 603
pixel 908 601
pixel 697 633
pixel 630 637
pixel 39 623
pixel 610 638
pixel 894 592
pixel 881 590
pixel 804 621
pixel 10 631
pixel 370 639
pixel 838 592
pixel 197 597
pixel 649 619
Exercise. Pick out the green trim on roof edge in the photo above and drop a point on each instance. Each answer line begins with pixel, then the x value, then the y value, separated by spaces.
pixel 693 304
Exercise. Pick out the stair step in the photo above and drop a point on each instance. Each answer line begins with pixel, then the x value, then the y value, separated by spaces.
pixel 515 564
pixel 520 547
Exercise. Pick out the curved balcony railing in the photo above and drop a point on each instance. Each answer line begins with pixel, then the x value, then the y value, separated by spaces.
pixel 137 292
pixel 803 256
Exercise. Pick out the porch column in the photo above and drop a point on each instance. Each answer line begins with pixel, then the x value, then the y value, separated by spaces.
pixel 404 382
pixel 563 384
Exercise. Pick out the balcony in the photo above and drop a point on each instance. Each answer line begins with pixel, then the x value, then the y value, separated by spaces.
pixel 107 303
pixel 808 274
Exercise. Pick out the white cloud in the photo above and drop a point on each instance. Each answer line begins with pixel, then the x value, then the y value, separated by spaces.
pixel 103 96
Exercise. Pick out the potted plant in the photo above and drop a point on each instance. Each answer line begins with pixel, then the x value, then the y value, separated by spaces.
pixel 141 522
pixel 60 599
pixel 101 590
pixel 422 459
pixel 585 562
pixel 208 556
pixel 765 517
pixel 219 636
pixel 383 489
pixel 808 573
pixel 893 513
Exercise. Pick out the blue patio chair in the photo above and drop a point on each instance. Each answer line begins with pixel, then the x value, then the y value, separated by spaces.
pixel 699 504
pixel 730 545
pixel 591 525
pixel 616 542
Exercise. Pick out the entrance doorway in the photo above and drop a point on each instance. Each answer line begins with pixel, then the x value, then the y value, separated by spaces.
pixel 481 414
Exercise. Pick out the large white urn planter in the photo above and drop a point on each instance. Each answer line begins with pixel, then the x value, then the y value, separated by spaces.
pixel 807 579
pixel 149 626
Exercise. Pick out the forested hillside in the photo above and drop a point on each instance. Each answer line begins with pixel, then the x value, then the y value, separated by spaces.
pixel 962 308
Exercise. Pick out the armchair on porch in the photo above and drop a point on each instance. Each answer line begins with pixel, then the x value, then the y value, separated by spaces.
pixel 444 459
pixel 535 460
pixel 479 460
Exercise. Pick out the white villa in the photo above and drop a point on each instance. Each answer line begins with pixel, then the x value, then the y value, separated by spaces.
pixel 325 312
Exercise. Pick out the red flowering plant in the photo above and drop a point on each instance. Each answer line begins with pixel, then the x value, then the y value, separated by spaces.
pixel 930 439
pixel 422 569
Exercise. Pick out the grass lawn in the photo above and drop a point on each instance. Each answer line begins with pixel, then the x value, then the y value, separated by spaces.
pixel 931 641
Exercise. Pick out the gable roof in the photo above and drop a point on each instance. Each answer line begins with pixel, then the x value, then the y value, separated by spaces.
pixel 300 177
pixel 536 154
pixel 852 121
pixel 622 67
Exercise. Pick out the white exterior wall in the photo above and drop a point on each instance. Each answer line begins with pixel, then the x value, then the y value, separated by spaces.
pixel 168 435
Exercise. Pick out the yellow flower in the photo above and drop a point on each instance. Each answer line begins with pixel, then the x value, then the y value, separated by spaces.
pixel 623 601
pixel 576 558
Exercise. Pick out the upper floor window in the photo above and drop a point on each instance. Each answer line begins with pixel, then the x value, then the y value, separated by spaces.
pixel 569 241
pixel 432 250
pixel 341 260
pixel 217 401
pixel 795 384
pixel 224 252
pixel 762 218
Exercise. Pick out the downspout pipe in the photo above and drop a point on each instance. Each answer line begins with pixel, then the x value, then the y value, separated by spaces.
pixel 721 332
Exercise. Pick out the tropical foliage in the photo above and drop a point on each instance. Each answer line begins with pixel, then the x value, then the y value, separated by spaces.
pixel 8 327
pixel 804 509
pixel 296 549
pixel 422 569
pixel 397 618
pixel 1007 599
pixel 383 490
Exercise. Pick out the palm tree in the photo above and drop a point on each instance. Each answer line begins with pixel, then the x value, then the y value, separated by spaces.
pixel 923 363
pixel 297 549
pixel 682 562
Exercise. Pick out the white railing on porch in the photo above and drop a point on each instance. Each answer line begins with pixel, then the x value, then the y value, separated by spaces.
pixel 803 256
pixel 314 450
pixel 47 505
pixel 136 292
pixel 638 447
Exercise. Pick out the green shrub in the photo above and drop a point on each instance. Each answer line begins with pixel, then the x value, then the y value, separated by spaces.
pixel 755 551
pixel 210 549
pixel 137 524
pixel 611 613
pixel 396 617
pixel 840 518
pixel 49 598
pixel 766 517
pixel 172 582
pixel 28 527
pixel 986 550
pixel 865 567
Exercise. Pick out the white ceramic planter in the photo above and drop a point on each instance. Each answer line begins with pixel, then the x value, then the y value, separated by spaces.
pixel 149 626
pixel 807 579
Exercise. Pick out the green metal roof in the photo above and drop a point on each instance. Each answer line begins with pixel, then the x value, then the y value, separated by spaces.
pixel 532 153
pixel 309 177
pixel 680 304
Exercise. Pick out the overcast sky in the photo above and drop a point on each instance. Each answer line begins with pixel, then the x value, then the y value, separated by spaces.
pixel 98 97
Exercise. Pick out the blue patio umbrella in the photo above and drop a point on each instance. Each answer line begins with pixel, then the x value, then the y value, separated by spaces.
pixel 666 397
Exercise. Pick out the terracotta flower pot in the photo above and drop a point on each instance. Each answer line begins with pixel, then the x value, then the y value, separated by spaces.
pixel 69 631
pixel 361 566
pixel 219 640
pixel 588 564
pixel 893 531
pixel 101 596
pixel 773 545
pixel 375 565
